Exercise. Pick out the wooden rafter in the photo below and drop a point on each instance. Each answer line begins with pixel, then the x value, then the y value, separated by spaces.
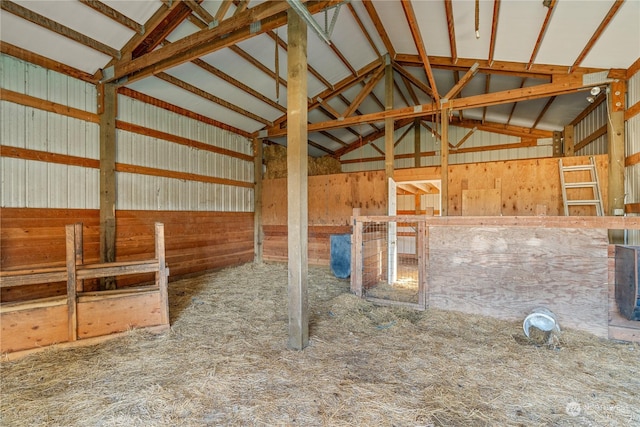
pixel 56 27
pixel 222 10
pixel 570 84
pixel 403 136
pixel 163 25
pixel 34 58
pixel 417 83
pixel 241 7
pixel 377 22
pixel 455 90
pixel 368 87
pixel 259 65
pixel 456 79
pixel 229 32
pixel 543 112
pixel 363 29
pixel 543 31
pixel 538 71
pixel 465 138
pixel 487 88
pixel 435 133
pixel 113 14
pixel 596 35
pixel 412 92
pixel 494 31
pixel 503 129
pixel 515 104
pixel 422 52
pixel 201 12
pixel 448 7
pixel 398 124
pixel 209 97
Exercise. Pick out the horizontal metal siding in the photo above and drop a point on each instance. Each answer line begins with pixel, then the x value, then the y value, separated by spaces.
pixel 36 184
pixel 150 192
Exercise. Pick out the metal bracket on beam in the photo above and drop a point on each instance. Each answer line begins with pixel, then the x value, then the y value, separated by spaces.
pixel 263 134
pixel 255 26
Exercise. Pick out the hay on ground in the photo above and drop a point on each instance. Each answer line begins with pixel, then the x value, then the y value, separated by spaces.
pixel 225 362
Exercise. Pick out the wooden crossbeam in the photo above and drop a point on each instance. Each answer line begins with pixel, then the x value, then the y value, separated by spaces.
pixel 115 15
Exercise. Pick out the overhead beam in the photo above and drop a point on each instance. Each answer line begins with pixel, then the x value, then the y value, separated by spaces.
pixel 543 112
pixel 159 27
pixel 539 71
pixel 407 7
pixel 448 8
pixel 569 85
pixel 596 35
pixel 541 34
pixel 377 23
pixel 413 79
pixel 201 12
pixel 364 92
pixel 270 15
pixel 455 90
pixel 494 31
pixel 114 15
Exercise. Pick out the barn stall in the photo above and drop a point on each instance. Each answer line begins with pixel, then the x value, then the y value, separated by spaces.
pixel 172 126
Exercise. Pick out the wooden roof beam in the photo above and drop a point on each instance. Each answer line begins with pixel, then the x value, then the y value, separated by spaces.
pixel 539 71
pixel 209 97
pixel 201 12
pixel 457 88
pixel 570 84
pixel 398 124
pixel 511 130
pixel 364 92
pixel 222 10
pixel 56 27
pixel 596 35
pixel 231 31
pixel 114 15
pixel 417 83
pixel 163 25
pixel 377 22
pixel 448 8
pixel 494 31
pixel 543 31
pixel 543 112
pixel 417 39
pixel 487 88
pixel 363 29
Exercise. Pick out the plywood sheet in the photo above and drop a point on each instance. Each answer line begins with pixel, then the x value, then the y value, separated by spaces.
pixel 104 316
pixel 507 272
pixel 483 202
pixel 35 327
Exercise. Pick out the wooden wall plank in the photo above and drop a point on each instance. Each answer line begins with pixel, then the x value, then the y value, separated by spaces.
pixel 36 327
pixel 507 272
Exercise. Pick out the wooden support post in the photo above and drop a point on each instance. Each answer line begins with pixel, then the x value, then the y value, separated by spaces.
pixel 107 102
pixel 569 142
pixel 388 122
pixel 416 142
pixel 444 163
pixel 557 144
pixel 162 274
pixel 79 249
pixel 356 254
pixel 258 234
pixel 72 303
pixel 297 151
pixel 615 149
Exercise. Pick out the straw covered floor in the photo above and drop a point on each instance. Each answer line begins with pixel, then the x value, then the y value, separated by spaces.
pixel 225 362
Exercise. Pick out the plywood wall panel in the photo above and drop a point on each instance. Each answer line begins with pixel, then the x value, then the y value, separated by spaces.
pixel 507 272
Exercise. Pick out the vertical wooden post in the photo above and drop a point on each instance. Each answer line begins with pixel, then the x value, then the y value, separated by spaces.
pixel 356 254
pixel 72 316
pixel 557 144
pixel 416 142
pixel 388 123
pixel 444 162
pixel 615 149
pixel 79 252
pixel 107 101
pixel 569 142
pixel 162 273
pixel 258 234
pixel 297 151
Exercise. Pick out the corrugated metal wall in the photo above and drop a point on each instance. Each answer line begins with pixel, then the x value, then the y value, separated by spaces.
pixel 587 126
pixel 36 184
pixel 632 132
pixel 28 183
pixel 429 142
pixel 150 192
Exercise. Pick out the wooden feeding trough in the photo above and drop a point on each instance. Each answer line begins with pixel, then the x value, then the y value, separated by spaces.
pixel 79 317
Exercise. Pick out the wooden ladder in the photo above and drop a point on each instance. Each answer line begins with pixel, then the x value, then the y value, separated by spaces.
pixel 592 184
